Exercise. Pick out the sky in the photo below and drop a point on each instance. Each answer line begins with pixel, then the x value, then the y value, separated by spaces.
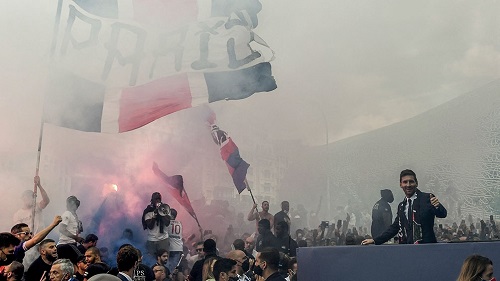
pixel 343 68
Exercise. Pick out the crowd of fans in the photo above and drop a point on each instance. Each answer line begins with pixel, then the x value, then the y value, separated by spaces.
pixel 264 251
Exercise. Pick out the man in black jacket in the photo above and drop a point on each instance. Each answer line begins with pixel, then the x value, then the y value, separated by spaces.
pixel 414 223
pixel 210 249
pixel 382 213
pixel 266 237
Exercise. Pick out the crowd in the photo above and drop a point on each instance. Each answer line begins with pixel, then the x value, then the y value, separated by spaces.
pixel 263 251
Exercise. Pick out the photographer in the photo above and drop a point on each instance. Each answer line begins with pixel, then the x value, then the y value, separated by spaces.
pixel 155 222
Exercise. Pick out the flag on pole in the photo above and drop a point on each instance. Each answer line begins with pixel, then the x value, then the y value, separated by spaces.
pixel 175 188
pixel 231 155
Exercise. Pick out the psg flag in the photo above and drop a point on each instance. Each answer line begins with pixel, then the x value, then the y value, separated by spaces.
pixel 231 155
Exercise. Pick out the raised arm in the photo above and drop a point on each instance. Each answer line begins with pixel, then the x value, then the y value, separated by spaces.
pixel 43 233
pixel 45 198
pixel 252 215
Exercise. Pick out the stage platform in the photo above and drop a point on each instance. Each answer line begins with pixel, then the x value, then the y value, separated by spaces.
pixel 426 262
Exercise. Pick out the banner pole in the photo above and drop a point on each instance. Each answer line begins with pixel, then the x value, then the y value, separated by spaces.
pixel 35 187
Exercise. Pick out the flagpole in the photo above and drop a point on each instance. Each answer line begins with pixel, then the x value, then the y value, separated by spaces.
pixel 33 208
pixel 199 227
pixel 251 194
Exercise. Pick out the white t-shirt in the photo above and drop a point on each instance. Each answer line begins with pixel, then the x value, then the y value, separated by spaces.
pixel 154 234
pixel 25 216
pixel 175 235
pixel 71 221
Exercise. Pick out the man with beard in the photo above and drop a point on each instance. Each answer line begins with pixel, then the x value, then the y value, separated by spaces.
pixel 224 270
pixel 40 268
pixel 71 226
pixel 282 215
pixel 242 264
pixel 266 237
pixel 382 213
pixel 92 255
pixel 414 223
pixel 267 263
pixel 14 272
pixel 253 215
pixel 285 242
pixel 162 257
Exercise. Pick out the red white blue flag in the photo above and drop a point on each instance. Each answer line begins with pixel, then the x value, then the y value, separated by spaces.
pixel 231 155
pixel 122 64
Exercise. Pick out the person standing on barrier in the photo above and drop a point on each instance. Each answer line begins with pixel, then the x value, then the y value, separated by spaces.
pixel 156 224
pixel 414 223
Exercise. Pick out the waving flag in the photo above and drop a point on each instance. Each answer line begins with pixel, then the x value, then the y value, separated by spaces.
pixel 123 64
pixel 231 155
pixel 175 188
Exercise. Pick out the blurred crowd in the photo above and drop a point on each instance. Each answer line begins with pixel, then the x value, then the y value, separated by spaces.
pixel 257 245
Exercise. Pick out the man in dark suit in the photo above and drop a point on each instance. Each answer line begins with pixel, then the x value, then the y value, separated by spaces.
pixel 127 259
pixel 414 223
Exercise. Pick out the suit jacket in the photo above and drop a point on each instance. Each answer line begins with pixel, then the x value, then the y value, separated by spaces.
pixel 123 278
pixel 420 228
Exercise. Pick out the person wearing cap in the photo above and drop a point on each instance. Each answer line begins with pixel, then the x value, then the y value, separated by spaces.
pixel 71 226
pixel 210 250
pixel 156 226
pixel 382 213
pixel 90 241
pixel 80 268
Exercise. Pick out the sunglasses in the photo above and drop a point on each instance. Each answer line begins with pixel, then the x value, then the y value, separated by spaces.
pixel 25 233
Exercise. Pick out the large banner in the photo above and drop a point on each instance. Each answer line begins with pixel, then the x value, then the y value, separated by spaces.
pixel 134 49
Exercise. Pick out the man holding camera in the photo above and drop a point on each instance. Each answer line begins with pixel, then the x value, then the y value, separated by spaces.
pixel 156 223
